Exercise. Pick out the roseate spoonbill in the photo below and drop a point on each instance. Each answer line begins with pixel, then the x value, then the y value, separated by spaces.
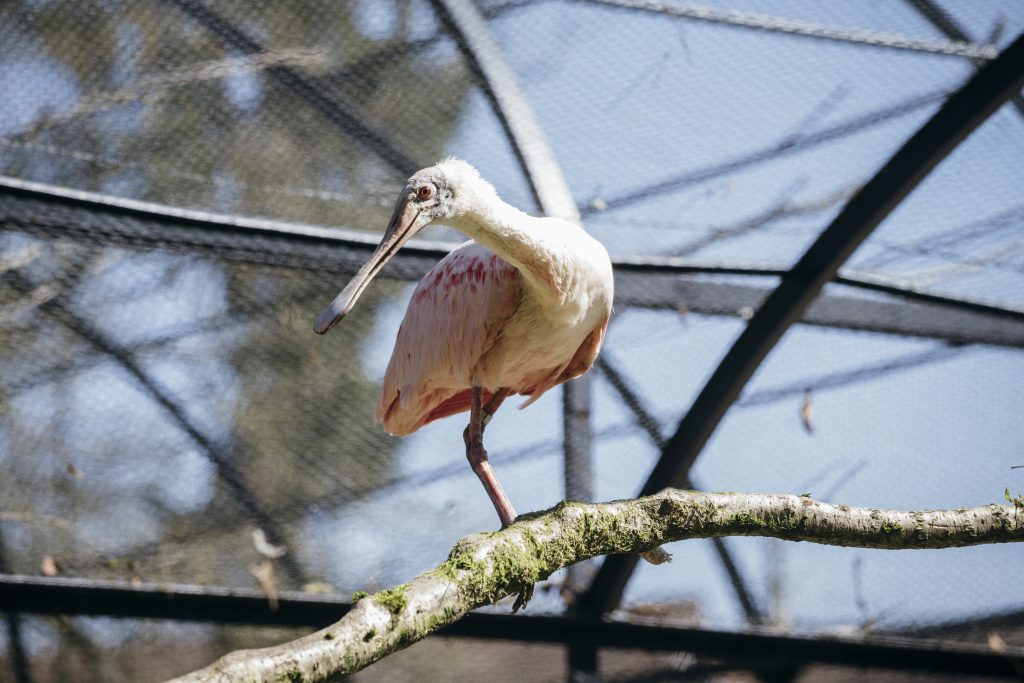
pixel 519 309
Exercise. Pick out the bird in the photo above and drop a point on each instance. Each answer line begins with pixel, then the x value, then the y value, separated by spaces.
pixel 519 309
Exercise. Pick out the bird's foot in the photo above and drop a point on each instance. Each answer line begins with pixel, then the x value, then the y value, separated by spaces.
pixel 525 595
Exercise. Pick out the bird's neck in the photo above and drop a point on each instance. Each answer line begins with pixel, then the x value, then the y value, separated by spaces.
pixel 521 239
pixel 494 223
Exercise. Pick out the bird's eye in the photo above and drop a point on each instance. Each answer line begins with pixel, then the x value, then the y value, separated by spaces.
pixel 425 192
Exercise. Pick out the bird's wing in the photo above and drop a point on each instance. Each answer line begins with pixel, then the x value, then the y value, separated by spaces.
pixel 586 354
pixel 581 361
pixel 456 313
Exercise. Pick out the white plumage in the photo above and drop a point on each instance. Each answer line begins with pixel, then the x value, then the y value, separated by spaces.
pixel 519 310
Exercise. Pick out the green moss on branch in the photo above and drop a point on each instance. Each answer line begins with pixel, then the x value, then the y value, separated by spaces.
pixel 484 568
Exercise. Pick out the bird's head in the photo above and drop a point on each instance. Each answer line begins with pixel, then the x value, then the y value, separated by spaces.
pixel 447 190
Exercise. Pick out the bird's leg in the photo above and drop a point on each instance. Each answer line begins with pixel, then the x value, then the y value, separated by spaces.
pixel 477 457
pixel 479 416
pixel 491 407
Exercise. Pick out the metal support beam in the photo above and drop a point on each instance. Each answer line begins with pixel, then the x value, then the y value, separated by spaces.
pixel 953 323
pixel 577 446
pixel 962 113
pixel 649 424
pixel 648 282
pixel 753 650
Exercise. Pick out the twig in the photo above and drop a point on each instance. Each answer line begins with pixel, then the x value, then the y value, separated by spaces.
pixel 484 568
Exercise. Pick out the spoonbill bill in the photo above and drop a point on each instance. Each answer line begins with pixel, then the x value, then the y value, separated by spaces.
pixel 519 309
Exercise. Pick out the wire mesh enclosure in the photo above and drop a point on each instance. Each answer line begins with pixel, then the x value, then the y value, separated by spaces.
pixel 186 183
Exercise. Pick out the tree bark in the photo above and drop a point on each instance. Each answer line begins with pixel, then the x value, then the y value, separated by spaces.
pixel 485 567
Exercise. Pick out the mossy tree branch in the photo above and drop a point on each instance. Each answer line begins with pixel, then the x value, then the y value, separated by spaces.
pixel 486 567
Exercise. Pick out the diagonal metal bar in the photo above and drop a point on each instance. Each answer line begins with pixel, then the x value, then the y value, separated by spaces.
pixel 965 110
pixel 649 424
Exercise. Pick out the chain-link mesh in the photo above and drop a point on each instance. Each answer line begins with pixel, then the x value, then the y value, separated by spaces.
pixel 167 415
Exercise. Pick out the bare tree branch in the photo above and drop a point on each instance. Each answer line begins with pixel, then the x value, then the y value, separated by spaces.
pixel 486 567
